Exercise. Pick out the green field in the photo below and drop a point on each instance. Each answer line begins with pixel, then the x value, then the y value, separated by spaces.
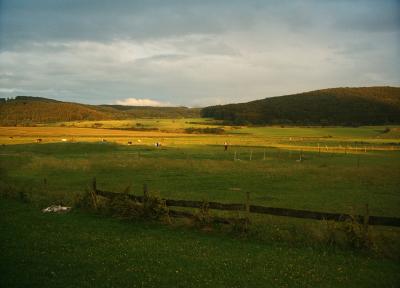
pixel 80 250
pixel 327 182
pixel 351 168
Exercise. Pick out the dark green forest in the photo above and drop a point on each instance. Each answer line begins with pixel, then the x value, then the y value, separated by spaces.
pixel 27 110
pixel 335 106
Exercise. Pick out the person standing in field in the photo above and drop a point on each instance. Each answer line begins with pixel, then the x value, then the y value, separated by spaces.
pixel 226 146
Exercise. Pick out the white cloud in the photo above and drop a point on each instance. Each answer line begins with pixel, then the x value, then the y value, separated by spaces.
pixel 7 90
pixel 141 102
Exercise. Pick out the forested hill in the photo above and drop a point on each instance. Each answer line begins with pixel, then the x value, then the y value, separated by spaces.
pixel 335 106
pixel 27 110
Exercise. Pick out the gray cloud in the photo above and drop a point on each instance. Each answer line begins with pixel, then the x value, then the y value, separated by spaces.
pixel 108 20
pixel 194 52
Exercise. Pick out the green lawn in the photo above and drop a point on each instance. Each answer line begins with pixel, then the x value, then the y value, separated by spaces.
pixel 327 182
pixel 83 250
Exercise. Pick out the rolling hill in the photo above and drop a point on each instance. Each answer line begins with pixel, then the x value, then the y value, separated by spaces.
pixel 335 106
pixel 27 110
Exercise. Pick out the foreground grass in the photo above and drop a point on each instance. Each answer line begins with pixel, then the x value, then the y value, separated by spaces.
pixel 82 250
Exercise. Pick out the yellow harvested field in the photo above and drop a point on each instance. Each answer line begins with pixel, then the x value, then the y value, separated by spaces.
pixel 63 131
pixel 20 135
pixel 257 137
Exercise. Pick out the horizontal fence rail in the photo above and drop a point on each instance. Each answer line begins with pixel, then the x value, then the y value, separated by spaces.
pixel 294 213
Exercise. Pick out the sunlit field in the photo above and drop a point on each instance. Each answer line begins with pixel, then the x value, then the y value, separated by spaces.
pixel 331 169
pixel 173 132
pixel 327 169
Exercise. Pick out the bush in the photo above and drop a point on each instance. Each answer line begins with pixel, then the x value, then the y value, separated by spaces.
pixel 356 234
pixel 123 207
pixel 155 208
pixel 208 130
pixel 202 219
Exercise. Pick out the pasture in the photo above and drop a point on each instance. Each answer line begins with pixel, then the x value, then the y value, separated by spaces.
pixel 332 169
pixel 84 250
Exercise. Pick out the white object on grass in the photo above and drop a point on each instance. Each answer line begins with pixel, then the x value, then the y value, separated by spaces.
pixel 56 209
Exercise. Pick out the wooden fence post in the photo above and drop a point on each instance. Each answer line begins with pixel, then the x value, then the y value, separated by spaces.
pixel 247 210
pixel 145 191
pixel 366 222
pixel 93 193
pixel 145 196
pixel 45 185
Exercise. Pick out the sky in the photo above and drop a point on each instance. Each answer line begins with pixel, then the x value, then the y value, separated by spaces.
pixel 194 53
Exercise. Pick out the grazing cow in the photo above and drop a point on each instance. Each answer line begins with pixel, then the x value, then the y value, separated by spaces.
pixel 129 142
pixel 11 137
pixel 38 140
pixel 103 140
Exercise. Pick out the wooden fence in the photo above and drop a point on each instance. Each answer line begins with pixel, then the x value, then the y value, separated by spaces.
pixel 305 214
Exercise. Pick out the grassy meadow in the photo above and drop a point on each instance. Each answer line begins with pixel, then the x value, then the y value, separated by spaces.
pixel 83 250
pixel 330 169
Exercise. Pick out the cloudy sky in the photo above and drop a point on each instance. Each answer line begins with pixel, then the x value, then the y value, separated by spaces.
pixel 194 53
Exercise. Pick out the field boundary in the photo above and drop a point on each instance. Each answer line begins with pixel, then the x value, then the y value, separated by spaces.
pixel 294 213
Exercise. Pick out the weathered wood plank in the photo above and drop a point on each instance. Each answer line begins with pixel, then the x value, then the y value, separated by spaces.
pixel 304 214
